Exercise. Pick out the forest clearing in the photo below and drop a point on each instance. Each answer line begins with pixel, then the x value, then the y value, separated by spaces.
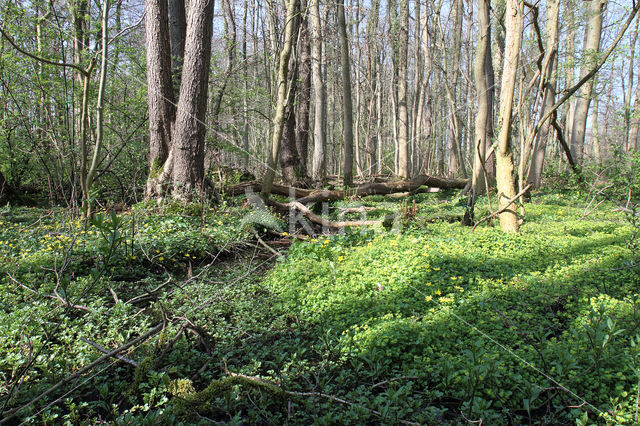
pixel 315 212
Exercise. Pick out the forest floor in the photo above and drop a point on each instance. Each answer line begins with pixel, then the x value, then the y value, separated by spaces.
pixel 419 321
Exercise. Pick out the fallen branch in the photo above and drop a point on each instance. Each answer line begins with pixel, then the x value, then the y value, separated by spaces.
pixel 12 413
pixel 505 207
pixel 106 351
pixel 318 220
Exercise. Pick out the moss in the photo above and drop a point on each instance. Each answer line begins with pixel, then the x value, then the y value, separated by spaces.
pixel 156 168
pixel 202 400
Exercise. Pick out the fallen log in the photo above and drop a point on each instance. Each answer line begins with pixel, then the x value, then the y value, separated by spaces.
pixel 307 196
pixel 384 188
pixel 256 186
pixel 314 218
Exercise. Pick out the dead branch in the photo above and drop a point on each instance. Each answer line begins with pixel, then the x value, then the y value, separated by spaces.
pixel 506 206
pixel 106 351
pixel 9 415
pixel 318 220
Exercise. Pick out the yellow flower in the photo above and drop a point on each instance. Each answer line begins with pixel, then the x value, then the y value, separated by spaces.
pixel 428 298
pixel 340 258
pixel 161 258
pixel 437 292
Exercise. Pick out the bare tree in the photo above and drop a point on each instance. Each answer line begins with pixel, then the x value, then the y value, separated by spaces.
pixel 595 9
pixel 504 153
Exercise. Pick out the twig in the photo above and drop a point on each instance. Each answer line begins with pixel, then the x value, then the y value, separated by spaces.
pixel 505 207
pixel 12 413
pixel 106 351
pixel 395 379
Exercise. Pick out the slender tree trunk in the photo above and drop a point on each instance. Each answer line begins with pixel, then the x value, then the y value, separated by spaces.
pixel 595 10
pixel 570 22
pixel 304 92
pixel 319 133
pixel 597 153
pixel 245 100
pixel 629 93
pixel 372 51
pixel 178 33
pixel 279 117
pixel 347 116
pixel 504 154
pixel 403 112
pixel 635 121
pixel 550 66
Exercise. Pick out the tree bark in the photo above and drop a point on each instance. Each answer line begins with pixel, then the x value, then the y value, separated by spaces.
pixel 160 96
pixel 282 96
pixel 319 133
pixel 178 33
pixel 550 66
pixel 304 92
pixel 504 154
pixel 593 31
pixel 189 133
pixel 347 110
pixel 483 49
pixel 403 113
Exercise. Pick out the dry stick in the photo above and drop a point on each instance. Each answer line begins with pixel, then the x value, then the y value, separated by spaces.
pixel 57 296
pixel 12 413
pixel 395 379
pixel 106 351
pixel 511 201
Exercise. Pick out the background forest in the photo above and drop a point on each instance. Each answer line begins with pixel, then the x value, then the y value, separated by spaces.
pixel 144 280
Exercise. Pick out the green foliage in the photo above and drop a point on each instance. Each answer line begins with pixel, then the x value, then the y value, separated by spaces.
pixel 426 322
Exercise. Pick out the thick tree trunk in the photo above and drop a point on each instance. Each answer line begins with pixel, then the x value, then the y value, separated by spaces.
pixel 189 132
pixel 504 154
pixel 160 97
pixel 347 110
pixel 593 31
pixel 482 115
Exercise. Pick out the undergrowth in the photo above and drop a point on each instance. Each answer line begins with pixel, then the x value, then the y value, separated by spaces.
pixel 423 321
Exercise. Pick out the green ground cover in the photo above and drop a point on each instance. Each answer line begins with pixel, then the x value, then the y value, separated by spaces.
pixel 423 321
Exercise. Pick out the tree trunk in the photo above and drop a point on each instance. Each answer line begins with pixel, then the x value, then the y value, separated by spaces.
pixel 160 97
pixel 178 33
pixel 635 121
pixel 319 133
pixel 550 66
pixel 504 154
pixel 372 45
pixel 403 113
pixel 593 31
pixel 304 92
pixel 479 75
pixel 281 104
pixel 177 145
pixel 189 133
pixel 347 110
